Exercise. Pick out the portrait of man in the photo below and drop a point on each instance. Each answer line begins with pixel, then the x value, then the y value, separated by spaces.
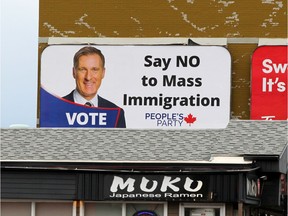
pixel 88 72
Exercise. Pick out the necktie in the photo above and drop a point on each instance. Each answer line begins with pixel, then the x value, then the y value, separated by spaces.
pixel 88 104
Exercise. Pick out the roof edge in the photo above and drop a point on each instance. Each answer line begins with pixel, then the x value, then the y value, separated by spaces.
pixel 213 160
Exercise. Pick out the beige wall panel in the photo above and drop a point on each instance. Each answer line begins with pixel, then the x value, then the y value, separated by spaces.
pixel 240 86
pixel 163 18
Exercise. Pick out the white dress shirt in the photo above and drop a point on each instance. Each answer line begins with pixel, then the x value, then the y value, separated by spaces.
pixel 81 100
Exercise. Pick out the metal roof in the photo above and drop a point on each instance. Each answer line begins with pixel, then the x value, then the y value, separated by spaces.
pixel 240 138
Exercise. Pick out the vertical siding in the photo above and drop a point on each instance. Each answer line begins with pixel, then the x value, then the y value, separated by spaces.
pixel 225 187
pixel 38 185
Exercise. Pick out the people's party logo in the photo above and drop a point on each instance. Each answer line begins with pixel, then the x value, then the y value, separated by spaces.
pixel 170 119
pixel 190 119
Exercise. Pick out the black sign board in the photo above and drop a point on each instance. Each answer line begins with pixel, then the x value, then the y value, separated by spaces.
pixel 156 187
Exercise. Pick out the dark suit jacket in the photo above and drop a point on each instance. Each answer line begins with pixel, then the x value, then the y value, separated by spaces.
pixel 105 104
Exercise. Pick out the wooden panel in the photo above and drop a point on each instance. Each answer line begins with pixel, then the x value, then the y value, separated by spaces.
pixel 183 18
pixel 150 18
pixel 240 85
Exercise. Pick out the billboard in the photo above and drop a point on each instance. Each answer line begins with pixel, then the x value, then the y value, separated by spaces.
pixel 269 83
pixel 153 87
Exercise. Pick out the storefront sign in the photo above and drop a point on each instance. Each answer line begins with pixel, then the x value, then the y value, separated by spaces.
pixel 155 187
pixel 269 83
pixel 251 187
pixel 161 87
pixel 145 213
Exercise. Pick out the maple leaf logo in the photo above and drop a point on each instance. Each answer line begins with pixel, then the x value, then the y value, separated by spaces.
pixel 190 119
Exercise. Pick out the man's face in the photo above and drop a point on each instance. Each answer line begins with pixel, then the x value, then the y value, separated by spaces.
pixel 89 75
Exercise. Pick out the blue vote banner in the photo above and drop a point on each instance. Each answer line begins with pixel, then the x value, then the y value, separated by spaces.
pixel 58 112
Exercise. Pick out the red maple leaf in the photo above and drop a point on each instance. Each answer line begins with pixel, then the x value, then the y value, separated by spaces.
pixel 190 119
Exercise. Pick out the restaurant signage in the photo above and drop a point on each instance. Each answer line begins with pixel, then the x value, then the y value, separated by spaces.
pixel 156 187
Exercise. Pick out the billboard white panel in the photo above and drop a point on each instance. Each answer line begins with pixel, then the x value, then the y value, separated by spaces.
pixel 159 87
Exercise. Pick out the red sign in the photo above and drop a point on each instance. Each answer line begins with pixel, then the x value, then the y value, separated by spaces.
pixel 269 83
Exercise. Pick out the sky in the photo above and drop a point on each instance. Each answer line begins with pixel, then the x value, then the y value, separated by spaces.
pixel 19 50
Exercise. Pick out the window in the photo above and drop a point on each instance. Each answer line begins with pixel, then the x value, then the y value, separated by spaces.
pixel 100 209
pixel 145 213
pixel 53 208
pixel 125 208
pixel 47 208
pixel 202 209
pixel 142 209
pixel 15 208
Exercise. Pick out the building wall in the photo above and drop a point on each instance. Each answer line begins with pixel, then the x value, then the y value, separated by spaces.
pixel 40 190
pixel 91 186
pixel 239 20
